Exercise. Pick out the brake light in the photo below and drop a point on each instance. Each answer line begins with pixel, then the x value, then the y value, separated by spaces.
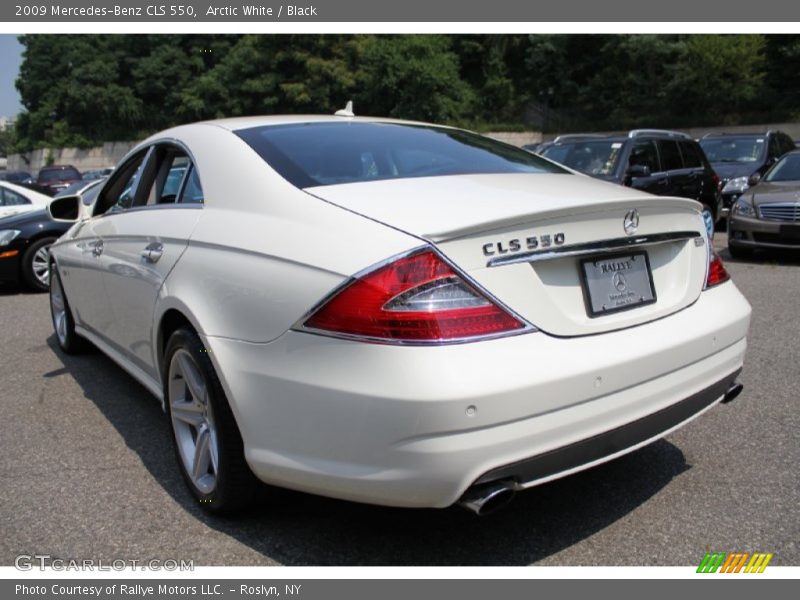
pixel 416 298
pixel 716 271
pixel 716 181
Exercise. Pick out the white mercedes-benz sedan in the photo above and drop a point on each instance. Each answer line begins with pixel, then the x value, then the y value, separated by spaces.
pixel 391 312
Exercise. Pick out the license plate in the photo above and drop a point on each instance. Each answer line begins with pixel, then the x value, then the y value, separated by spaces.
pixel 619 282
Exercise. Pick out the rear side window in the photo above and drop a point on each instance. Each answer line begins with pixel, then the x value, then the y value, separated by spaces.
pixel 316 154
pixel 670 155
pixel 9 198
pixel 691 155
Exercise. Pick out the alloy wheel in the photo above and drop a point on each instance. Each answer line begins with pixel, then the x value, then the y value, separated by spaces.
pixel 193 421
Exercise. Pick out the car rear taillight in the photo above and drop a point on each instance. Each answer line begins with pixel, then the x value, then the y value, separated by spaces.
pixel 716 181
pixel 416 298
pixel 716 271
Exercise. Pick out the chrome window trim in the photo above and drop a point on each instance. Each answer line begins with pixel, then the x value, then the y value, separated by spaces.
pixel 599 247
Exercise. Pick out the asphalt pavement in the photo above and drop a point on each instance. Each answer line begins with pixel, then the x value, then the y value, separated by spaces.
pixel 88 472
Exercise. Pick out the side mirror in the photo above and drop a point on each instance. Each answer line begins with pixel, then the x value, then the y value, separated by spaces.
pixel 66 208
pixel 638 171
pixel 753 179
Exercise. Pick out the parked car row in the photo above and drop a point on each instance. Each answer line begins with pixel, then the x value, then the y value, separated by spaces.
pixel 720 171
pixel 665 163
pixel 53 179
pixel 396 313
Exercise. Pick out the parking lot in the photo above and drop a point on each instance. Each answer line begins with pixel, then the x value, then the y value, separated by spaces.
pixel 88 472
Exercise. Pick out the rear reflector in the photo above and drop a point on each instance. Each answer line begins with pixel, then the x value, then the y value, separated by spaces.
pixel 716 271
pixel 416 298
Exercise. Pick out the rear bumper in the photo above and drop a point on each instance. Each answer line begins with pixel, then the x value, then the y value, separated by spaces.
pixel 418 426
pixel 610 444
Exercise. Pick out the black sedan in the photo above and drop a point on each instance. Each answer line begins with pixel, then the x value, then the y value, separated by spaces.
pixel 25 240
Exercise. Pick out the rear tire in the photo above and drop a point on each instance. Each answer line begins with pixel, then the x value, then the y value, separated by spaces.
pixel 36 265
pixel 207 441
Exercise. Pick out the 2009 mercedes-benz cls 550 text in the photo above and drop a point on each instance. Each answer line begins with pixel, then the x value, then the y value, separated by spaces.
pixel 393 312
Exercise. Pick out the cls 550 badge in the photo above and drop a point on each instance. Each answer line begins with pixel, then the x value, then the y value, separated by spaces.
pixel 532 242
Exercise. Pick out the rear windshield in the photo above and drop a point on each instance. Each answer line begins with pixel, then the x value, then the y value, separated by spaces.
pixel 317 154
pixel 58 175
pixel 733 149
pixel 592 158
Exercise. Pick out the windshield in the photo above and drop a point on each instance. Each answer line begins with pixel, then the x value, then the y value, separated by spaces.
pixel 733 149
pixel 786 169
pixel 315 154
pixel 58 175
pixel 593 158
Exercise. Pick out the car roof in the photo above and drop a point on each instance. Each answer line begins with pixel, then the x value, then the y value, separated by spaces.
pixel 237 123
pixel 744 134
pixel 56 168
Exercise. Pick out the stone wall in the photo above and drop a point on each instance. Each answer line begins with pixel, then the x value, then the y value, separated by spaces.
pixel 107 155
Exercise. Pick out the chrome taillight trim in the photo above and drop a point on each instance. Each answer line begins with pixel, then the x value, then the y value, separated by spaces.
pixel 599 247
pixel 300 324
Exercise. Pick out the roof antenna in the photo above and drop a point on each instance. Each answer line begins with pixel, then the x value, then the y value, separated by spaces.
pixel 347 111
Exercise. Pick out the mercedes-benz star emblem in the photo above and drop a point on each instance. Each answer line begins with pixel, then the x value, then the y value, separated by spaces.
pixel 619 282
pixel 631 221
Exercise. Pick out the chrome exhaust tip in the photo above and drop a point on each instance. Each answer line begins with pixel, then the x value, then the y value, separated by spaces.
pixel 488 498
pixel 733 391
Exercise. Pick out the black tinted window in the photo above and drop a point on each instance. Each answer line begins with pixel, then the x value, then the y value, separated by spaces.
pixel 58 175
pixel 670 155
pixel 312 154
pixel 691 154
pixel 644 154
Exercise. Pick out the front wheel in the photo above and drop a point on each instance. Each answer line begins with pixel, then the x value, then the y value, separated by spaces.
pixel 36 265
pixel 208 445
pixel 63 324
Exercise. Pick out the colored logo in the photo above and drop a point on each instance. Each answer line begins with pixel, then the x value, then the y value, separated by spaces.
pixel 734 562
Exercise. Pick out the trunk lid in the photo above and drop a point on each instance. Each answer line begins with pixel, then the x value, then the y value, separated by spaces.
pixel 524 238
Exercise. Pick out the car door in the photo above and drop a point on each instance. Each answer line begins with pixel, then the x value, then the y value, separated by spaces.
pixel 142 244
pixel 643 153
pixel 81 258
pixel 693 173
pixel 672 164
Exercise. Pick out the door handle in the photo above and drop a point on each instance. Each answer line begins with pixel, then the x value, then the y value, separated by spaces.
pixel 97 248
pixel 152 252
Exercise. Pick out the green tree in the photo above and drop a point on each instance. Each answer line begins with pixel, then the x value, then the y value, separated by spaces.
pixel 717 77
pixel 413 77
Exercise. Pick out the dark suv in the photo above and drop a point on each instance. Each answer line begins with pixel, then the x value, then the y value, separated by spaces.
pixel 53 179
pixel 740 159
pixel 665 163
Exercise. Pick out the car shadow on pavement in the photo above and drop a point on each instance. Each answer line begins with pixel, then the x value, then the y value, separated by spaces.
pixel 14 289
pixel 293 528
pixel 766 257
